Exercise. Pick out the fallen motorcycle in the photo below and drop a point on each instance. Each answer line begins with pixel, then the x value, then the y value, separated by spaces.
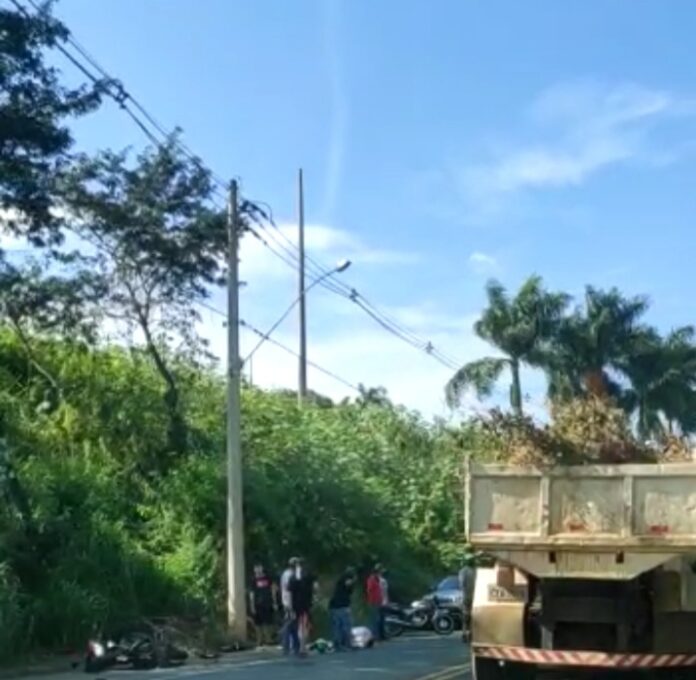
pixel 133 649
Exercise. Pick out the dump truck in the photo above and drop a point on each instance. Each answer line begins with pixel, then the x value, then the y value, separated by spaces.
pixel 593 568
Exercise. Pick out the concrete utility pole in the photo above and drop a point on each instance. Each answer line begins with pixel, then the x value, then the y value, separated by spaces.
pixel 302 388
pixel 236 572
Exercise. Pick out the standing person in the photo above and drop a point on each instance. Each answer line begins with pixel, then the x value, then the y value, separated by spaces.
pixel 384 587
pixel 375 602
pixel 261 600
pixel 288 632
pixel 467 581
pixel 339 608
pixel 302 591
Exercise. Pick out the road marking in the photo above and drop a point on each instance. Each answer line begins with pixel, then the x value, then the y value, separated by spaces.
pixel 447 673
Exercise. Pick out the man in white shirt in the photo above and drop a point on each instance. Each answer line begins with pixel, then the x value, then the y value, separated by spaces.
pixel 289 633
pixel 384 585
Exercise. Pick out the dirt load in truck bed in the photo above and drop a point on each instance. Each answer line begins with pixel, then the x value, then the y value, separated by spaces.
pixel 581 431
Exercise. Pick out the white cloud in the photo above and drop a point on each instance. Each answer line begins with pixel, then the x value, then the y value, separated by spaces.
pixel 482 263
pixel 577 130
pixel 591 104
pixel 327 244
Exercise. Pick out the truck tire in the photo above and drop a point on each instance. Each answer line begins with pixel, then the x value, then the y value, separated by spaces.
pixel 486 669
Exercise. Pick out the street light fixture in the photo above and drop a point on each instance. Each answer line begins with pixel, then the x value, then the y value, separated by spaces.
pixel 340 267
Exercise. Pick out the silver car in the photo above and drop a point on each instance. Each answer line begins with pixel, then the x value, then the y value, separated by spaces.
pixel 447 592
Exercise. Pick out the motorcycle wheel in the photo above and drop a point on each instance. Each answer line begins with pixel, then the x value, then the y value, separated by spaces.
pixel 392 629
pixel 443 624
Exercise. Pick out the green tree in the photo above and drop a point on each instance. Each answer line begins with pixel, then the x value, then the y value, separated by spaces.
pixel 34 140
pixel 662 374
pixel 35 303
pixel 593 341
pixel 519 328
pixel 157 244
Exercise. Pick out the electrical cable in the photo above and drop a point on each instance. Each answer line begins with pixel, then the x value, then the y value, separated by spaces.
pixel 288 251
pixel 266 337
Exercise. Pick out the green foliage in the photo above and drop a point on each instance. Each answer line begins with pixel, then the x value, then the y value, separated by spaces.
pixel 594 340
pixel 600 349
pixel 662 372
pixel 520 328
pixel 107 537
pixel 157 245
pixel 33 137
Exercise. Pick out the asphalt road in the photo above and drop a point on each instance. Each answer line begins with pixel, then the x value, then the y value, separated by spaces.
pixel 426 657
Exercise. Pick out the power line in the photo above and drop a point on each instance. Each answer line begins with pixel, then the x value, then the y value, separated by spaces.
pixel 286 250
pixel 296 354
pixel 339 288
pixel 265 337
pixel 351 294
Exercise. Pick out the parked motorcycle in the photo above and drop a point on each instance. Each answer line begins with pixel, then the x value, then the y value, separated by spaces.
pixel 447 618
pixel 416 617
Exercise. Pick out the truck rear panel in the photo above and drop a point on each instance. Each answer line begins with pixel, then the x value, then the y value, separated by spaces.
pixel 638 508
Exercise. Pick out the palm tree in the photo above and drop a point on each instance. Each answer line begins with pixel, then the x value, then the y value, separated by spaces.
pixel 593 342
pixel 518 327
pixel 662 372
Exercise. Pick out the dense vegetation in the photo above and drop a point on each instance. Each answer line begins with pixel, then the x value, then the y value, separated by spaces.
pixel 94 531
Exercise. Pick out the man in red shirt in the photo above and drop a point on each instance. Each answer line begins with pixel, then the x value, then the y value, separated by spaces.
pixel 375 601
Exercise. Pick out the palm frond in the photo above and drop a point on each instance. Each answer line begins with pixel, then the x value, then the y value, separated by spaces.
pixel 480 376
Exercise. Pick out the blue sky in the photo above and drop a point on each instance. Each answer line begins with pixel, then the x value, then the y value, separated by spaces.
pixel 442 143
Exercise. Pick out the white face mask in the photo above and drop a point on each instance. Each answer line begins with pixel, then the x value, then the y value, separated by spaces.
pixel 298 572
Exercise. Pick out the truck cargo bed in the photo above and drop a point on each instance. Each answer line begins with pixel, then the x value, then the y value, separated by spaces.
pixel 613 508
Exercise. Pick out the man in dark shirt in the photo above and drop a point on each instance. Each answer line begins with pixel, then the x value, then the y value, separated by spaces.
pixel 339 608
pixel 262 604
pixel 302 588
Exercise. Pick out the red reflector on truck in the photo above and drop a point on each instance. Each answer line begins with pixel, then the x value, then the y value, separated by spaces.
pixel 659 529
pixel 495 527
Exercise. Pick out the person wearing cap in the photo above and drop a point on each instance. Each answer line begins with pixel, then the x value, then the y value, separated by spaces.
pixel 339 608
pixel 261 604
pixel 288 633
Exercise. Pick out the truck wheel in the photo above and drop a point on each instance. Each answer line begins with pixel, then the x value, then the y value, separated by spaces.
pixel 486 669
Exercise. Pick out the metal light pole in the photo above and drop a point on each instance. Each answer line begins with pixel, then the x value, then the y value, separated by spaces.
pixel 302 383
pixel 236 572
pixel 341 267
